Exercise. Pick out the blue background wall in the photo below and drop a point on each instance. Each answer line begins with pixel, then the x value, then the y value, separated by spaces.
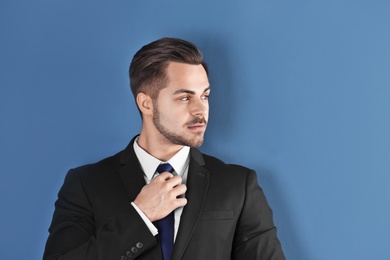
pixel 301 94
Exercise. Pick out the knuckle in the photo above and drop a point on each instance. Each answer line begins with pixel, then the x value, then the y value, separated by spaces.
pixel 163 176
pixel 183 201
pixel 176 178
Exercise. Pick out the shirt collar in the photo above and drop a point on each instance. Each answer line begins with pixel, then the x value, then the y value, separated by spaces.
pixel 149 163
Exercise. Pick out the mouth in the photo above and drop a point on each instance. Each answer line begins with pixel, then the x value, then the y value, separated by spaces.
pixel 197 125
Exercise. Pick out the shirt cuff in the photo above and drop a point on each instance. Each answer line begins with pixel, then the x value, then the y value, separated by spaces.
pixel 148 223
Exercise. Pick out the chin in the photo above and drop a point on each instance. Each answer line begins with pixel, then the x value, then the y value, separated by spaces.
pixel 196 143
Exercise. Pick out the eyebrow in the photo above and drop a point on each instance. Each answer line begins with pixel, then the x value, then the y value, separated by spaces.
pixel 189 91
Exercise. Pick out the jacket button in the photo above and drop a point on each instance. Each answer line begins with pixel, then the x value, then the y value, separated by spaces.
pixel 139 245
pixel 123 257
pixel 129 254
pixel 134 250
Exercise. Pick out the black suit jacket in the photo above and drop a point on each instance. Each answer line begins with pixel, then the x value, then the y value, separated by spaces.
pixel 226 217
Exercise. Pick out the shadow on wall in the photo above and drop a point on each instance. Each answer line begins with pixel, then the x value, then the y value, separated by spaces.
pixel 284 220
pixel 215 50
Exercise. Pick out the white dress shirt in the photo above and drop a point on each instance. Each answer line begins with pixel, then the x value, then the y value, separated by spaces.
pixel 149 164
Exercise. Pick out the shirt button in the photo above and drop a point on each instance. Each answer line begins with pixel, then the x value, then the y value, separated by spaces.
pixel 139 245
pixel 123 257
pixel 129 254
pixel 134 250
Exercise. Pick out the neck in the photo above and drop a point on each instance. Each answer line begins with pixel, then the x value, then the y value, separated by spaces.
pixel 157 145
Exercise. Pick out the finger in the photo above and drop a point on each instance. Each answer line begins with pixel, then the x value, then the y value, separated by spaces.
pixel 180 202
pixel 174 181
pixel 178 190
pixel 163 176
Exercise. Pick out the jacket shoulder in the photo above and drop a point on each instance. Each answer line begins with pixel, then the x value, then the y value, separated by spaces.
pixel 216 164
pixel 101 167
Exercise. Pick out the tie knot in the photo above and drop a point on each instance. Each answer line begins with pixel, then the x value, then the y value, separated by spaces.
pixel 164 167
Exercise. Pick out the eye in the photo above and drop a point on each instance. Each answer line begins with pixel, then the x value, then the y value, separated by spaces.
pixel 205 96
pixel 184 98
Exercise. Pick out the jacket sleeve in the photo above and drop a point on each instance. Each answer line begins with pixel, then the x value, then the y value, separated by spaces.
pixel 255 236
pixel 74 235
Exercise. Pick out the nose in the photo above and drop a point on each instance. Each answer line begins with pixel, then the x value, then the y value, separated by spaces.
pixel 200 107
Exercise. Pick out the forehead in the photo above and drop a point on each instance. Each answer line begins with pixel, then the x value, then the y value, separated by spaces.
pixel 186 76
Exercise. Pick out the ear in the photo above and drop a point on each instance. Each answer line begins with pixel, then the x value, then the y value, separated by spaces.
pixel 145 104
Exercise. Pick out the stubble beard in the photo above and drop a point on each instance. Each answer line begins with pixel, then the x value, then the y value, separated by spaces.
pixel 176 138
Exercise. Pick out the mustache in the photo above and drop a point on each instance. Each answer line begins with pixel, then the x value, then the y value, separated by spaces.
pixel 197 120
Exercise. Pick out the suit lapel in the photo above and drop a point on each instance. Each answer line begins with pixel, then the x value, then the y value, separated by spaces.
pixel 130 172
pixel 197 187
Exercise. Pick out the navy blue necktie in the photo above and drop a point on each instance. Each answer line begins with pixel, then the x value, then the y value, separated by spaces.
pixel 166 225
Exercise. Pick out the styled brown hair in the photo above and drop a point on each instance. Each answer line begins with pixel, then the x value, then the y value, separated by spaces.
pixel 147 69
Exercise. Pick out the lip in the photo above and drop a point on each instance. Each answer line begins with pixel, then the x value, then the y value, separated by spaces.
pixel 197 127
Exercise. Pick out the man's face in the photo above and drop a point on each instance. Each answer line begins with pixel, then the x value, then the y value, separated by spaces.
pixel 181 109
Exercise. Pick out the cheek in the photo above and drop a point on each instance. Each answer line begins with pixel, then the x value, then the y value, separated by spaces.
pixel 171 117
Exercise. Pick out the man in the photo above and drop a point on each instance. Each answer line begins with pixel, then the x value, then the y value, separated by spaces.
pixel 196 208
